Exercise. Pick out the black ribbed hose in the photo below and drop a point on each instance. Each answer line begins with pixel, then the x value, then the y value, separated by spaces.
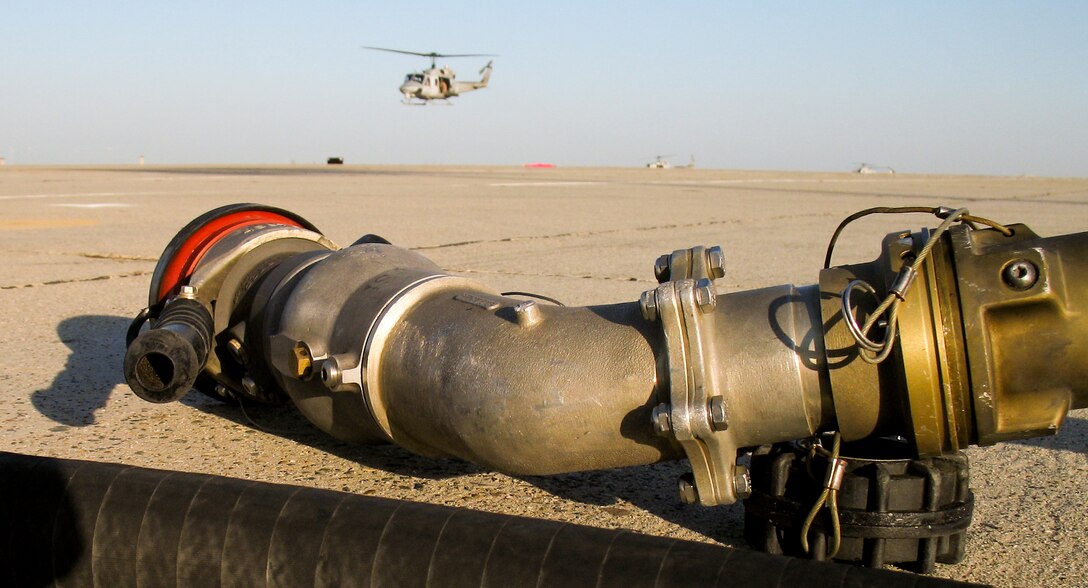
pixel 79 523
pixel 162 364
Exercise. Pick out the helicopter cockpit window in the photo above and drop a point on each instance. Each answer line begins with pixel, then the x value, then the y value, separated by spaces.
pixel 413 78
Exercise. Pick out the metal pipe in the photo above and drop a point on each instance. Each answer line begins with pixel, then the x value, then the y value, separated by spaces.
pixel 85 524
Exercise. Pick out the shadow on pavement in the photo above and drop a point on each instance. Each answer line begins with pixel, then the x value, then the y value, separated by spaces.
pixel 92 371
pixel 652 488
pixel 1072 436
pixel 285 421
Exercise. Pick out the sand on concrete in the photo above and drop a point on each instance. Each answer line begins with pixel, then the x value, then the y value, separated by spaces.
pixel 79 245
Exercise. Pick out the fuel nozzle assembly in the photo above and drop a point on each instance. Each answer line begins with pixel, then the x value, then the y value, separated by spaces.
pixel 962 334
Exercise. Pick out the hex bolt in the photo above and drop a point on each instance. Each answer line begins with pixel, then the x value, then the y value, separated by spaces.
pixel 223 391
pixel 718 419
pixel 187 292
pixel 301 361
pixel 686 485
pixel 648 303
pixel 661 419
pixel 237 352
pixel 251 387
pixel 662 270
pixel 1020 274
pixel 705 297
pixel 715 262
pixel 742 482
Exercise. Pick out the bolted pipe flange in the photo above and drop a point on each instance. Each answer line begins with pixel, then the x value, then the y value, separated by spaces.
pixel 648 303
pixel 715 262
pixel 705 296
pixel 661 269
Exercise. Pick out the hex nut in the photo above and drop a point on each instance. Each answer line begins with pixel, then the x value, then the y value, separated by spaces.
pixel 742 482
pixel 662 271
pixel 719 420
pixel 331 375
pixel 302 363
pixel 251 387
pixel 648 303
pixel 223 392
pixel 237 352
pixel 662 421
pixel 715 262
pixel 705 296
pixel 686 485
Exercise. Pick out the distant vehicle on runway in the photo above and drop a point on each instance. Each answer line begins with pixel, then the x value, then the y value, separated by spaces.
pixel 437 83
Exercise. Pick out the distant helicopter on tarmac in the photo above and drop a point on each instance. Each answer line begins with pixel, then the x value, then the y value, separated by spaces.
pixel 437 83
pixel 661 162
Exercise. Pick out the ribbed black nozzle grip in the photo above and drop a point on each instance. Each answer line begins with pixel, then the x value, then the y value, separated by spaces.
pixel 162 364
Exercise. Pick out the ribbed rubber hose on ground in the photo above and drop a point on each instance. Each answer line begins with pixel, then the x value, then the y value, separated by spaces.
pixel 82 523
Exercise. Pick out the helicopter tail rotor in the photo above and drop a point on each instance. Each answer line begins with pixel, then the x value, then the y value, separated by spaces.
pixel 486 73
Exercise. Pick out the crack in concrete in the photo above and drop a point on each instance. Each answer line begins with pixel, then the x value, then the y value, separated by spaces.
pixel 548 275
pixel 1030 197
pixel 117 256
pixel 697 224
pixel 84 254
pixel 75 280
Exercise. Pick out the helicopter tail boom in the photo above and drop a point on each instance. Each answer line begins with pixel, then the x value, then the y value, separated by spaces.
pixel 462 87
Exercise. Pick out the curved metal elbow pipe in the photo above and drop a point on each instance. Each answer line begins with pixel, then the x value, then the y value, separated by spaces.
pixel 508 383
pixel 444 366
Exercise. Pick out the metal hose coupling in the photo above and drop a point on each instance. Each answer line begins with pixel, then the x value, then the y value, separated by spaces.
pixel 375 343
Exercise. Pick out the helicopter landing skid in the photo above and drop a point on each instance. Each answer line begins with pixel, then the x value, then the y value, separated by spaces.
pixel 426 102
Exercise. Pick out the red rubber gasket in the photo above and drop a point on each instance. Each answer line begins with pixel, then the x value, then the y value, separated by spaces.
pixel 192 250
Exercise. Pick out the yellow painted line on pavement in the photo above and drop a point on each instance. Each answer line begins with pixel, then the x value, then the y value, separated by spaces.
pixel 23 224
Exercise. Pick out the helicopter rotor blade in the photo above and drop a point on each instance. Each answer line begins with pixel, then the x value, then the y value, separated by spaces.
pixel 400 51
pixel 432 54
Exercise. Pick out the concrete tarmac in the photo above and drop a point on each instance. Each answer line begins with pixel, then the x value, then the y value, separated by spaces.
pixel 79 246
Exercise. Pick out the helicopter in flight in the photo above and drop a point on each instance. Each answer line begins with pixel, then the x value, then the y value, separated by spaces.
pixel 437 83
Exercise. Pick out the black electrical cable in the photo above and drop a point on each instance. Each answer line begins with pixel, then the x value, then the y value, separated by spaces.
pixel 532 295
pixel 939 211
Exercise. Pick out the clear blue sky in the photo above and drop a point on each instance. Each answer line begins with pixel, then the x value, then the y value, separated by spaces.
pixel 944 87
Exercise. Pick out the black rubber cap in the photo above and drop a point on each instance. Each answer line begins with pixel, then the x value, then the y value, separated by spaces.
pixel 161 366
